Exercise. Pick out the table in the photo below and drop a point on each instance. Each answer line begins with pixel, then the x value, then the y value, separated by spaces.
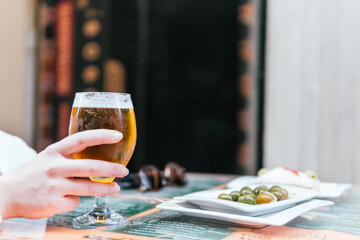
pixel 341 221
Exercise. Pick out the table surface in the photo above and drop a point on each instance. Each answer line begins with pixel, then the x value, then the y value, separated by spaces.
pixel 340 221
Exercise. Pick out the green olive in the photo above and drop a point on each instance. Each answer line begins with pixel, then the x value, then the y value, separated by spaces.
pixel 248 199
pixel 266 197
pixel 279 195
pixel 225 196
pixel 245 191
pixel 235 195
pixel 284 191
pixel 274 187
pixel 261 189
pixel 253 195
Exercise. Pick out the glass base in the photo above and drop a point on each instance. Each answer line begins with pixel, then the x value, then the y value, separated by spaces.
pixel 100 218
pixel 102 179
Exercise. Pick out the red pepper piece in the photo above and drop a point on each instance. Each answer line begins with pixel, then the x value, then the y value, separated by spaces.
pixel 291 170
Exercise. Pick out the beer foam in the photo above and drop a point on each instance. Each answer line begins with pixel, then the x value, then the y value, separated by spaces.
pixel 103 100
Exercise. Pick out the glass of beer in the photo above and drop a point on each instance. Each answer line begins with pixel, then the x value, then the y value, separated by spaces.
pixel 104 110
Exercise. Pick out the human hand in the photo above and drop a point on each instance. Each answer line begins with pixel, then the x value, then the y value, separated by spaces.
pixel 44 186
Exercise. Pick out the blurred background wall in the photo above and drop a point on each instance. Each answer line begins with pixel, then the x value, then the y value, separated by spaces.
pixel 312 87
pixel 191 69
pixel 17 64
pixel 196 75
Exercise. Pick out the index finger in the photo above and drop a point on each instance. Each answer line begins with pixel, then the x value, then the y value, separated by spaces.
pixel 87 168
pixel 79 141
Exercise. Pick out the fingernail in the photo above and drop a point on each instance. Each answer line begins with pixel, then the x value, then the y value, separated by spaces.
pixel 125 172
pixel 116 188
pixel 117 136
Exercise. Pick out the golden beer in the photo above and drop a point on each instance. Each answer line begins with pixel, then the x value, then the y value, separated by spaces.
pixel 121 118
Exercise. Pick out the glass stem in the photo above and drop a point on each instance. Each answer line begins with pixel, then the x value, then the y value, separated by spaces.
pixel 101 202
pixel 101 205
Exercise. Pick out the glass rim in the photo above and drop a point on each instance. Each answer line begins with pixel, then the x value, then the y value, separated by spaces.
pixel 103 100
pixel 106 93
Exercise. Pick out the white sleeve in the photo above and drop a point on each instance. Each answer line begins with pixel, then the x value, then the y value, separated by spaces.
pixel 14 152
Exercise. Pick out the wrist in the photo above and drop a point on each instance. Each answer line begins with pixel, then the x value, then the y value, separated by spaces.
pixel 5 201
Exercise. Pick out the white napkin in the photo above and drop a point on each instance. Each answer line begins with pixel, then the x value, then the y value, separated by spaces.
pixel 23 228
pixel 14 152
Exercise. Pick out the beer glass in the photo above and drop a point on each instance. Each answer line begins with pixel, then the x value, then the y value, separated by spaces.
pixel 95 110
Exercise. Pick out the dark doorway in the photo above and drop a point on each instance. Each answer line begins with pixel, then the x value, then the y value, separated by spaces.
pixel 187 109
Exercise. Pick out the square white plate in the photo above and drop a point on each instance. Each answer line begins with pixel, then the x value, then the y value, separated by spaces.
pixel 326 190
pixel 208 200
pixel 274 219
pixel 332 190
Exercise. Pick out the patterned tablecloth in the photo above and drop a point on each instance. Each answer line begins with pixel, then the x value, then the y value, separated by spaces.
pixel 340 221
